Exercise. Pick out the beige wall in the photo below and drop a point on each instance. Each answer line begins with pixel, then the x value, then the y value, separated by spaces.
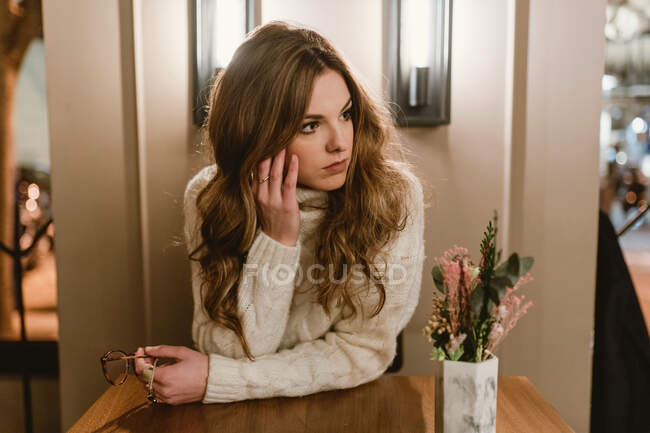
pixel 340 21
pixel 92 123
pixel 164 93
pixel 463 162
pixel 522 140
pixel 555 215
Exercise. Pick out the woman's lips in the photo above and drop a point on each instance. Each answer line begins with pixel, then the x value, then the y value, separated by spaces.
pixel 337 167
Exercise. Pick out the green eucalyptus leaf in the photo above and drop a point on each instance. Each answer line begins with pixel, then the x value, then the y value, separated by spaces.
pixel 498 288
pixel 490 304
pixel 495 294
pixel 501 282
pixel 438 279
pixel 458 353
pixel 507 280
pixel 477 300
pixel 525 263
pixel 513 265
pixel 438 354
pixel 502 269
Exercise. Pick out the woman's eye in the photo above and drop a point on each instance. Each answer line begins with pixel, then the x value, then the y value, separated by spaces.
pixel 306 129
pixel 347 115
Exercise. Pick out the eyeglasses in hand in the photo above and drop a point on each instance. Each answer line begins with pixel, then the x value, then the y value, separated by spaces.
pixel 116 365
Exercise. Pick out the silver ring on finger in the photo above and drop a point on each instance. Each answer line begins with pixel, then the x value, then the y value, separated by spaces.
pixel 265 179
pixel 148 374
pixel 157 398
pixel 151 396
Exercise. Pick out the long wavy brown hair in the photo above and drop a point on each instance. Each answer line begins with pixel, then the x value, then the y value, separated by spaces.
pixel 256 107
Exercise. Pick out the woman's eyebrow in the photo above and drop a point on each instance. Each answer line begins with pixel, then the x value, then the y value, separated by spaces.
pixel 320 116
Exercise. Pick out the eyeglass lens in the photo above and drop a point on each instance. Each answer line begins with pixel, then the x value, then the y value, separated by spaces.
pixel 116 367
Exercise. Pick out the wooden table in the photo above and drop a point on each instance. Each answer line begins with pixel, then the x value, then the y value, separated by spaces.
pixel 389 404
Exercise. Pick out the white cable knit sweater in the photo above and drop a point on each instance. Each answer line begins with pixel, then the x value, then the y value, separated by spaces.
pixel 298 349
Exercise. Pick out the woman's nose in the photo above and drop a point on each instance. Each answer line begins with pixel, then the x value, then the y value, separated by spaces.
pixel 337 141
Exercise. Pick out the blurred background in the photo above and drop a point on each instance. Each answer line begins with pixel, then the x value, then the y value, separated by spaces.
pixel 624 144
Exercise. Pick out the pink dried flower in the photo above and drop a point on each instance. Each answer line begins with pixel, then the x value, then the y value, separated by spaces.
pixel 451 273
pixel 468 276
pixel 496 332
pixel 508 313
pixel 455 342
pixel 502 310
pixel 455 252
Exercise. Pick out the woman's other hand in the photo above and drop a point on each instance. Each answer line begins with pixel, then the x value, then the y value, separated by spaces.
pixel 277 198
pixel 176 383
pixel 140 364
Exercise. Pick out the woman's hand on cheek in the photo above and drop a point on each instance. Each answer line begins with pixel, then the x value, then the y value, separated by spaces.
pixel 182 382
pixel 276 198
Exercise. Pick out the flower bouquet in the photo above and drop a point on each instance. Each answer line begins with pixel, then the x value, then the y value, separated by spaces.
pixel 474 308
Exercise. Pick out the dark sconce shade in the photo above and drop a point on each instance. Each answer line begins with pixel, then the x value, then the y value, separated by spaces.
pixel 419 53
pixel 419 86
pixel 219 26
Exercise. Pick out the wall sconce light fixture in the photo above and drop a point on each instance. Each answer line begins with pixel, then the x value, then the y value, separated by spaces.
pixel 219 27
pixel 419 52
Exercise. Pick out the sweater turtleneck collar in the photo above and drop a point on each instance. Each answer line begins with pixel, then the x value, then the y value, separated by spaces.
pixel 311 197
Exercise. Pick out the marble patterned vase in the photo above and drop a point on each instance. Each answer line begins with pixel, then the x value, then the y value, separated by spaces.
pixel 466 396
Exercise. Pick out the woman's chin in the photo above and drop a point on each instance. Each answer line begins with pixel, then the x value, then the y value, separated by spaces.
pixel 330 183
pixel 333 182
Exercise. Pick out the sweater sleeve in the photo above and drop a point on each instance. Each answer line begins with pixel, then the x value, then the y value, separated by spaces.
pixel 264 292
pixel 355 351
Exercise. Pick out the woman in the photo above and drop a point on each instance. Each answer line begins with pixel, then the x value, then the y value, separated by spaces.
pixel 304 184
